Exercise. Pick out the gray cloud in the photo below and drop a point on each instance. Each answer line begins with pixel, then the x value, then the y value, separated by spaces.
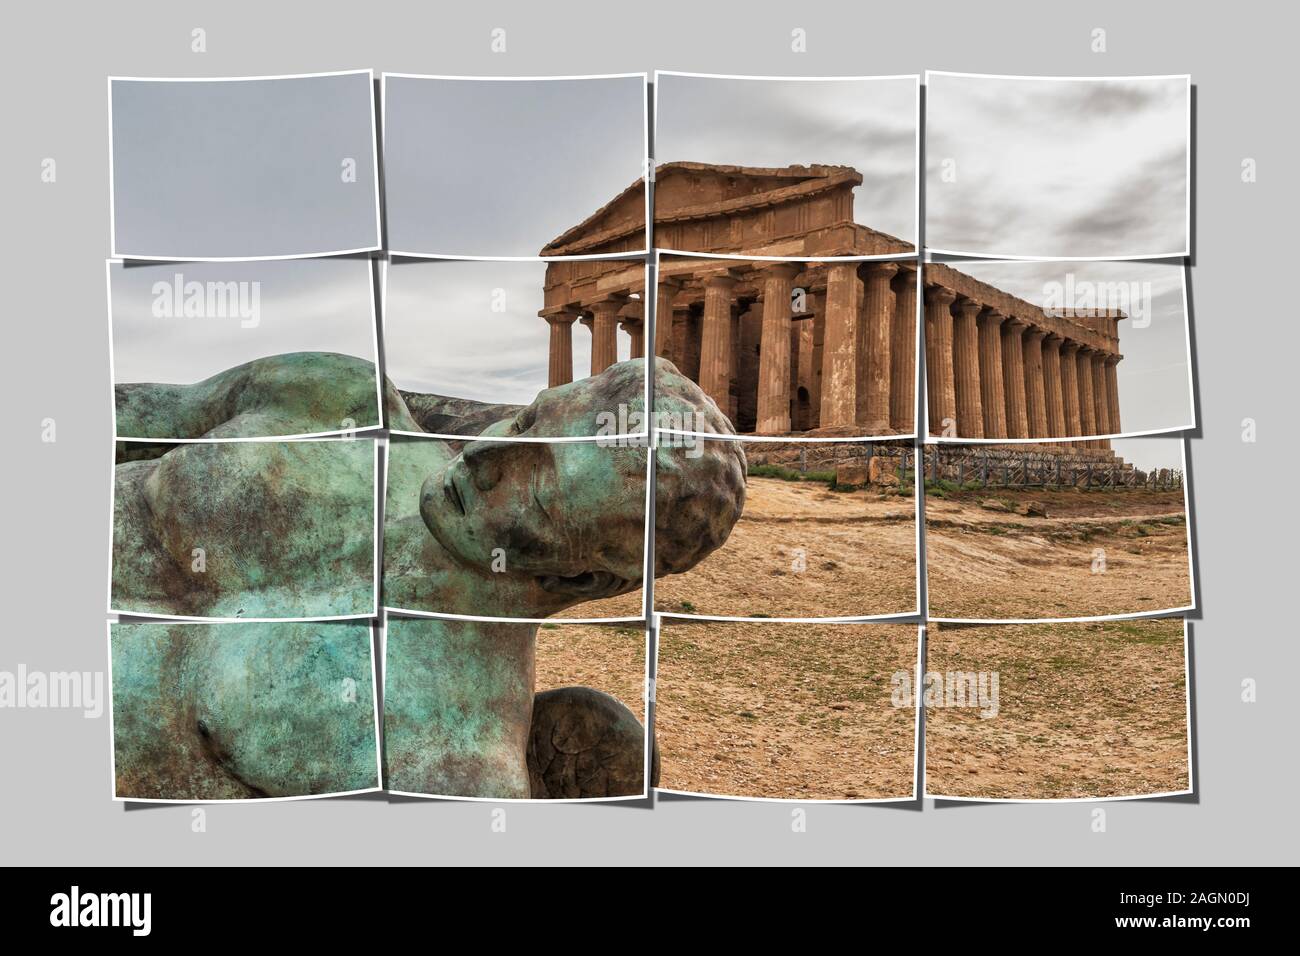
pixel 500 168
pixel 306 305
pixel 1057 168
pixel 230 168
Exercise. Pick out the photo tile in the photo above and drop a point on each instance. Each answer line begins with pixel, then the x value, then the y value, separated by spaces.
pixel 516 530
pixel 244 167
pixel 515 167
pixel 816 530
pixel 787 167
pixel 243 531
pixel 525 350
pixel 788 711
pixel 242 711
pixel 1023 351
pixel 230 351
pixel 802 350
pixel 513 711
pixel 1036 532
pixel 1035 167
pixel 1081 711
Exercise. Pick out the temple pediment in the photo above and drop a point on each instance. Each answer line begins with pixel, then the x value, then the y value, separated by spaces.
pixel 784 210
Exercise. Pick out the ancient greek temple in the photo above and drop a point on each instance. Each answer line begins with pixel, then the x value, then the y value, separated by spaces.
pixel 800 345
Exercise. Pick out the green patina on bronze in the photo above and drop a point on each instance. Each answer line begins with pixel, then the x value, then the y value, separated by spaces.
pixel 526 530
pixel 510 529
pixel 286 529
pixel 298 393
pixel 233 711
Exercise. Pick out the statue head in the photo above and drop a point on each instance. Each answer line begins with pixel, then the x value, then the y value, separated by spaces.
pixel 570 516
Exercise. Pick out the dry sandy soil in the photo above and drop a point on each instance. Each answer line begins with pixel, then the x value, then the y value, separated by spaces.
pixel 608 657
pixel 1085 710
pixel 998 565
pixel 859 557
pixel 800 711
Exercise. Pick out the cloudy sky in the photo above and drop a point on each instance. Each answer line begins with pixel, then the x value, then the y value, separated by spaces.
pixel 500 168
pixel 1056 167
pixel 305 305
pixel 442 335
pixel 867 124
pixel 1150 453
pixel 219 169
pixel 1154 378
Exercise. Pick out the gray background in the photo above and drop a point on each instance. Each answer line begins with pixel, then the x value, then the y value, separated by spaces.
pixel 56 782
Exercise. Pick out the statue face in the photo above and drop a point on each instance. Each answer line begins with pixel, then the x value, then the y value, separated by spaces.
pixel 570 515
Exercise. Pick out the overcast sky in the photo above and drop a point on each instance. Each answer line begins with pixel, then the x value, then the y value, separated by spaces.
pixel 441 334
pixel 218 169
pixel 1056 167
pixel 867 124
pixel 1150 453
pixel 500 168
pixel 1154 379
pixel 305 305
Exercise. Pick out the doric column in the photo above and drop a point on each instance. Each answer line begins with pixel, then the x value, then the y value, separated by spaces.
pixel 902 354
pixel 774 349
pixel 966 369
pixel 635 332
pixel 1035 397
pixel 604 333
pixel 878 314
pixel 1070 387
pixel 1100 401
pixel 1087 410
pixel 840 356
pixel 940 390
pixel 665 293
pixel 992 391
pixel 715 341
pixel 1112 391
pixel 1013 377
pixel 560 369
pixel 1053 388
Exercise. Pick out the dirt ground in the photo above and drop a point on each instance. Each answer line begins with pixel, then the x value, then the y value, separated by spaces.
pixel 799 711
pixel 1002 565
pixel 1084 710
pixel 608 657
pixel 859 557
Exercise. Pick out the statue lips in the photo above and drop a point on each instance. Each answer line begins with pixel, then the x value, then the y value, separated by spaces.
pixel 452 492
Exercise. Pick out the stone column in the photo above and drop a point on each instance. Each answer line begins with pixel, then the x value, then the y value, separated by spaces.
pixel 1070 387
pixel 665 293
pixel 604 333
pixel 1053 388
pixel 774 349
pixel 560 370
pixel 1013 377
pixel 878 314
pixel 966 369
pixel 1100 401
pixel 1035 393
pixel 634 332
pixel 839 398
pixel 940 389
pixel 992 390
pixel 902 354
pixel 1087 410
pixel 715 343
pixel 1112 391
